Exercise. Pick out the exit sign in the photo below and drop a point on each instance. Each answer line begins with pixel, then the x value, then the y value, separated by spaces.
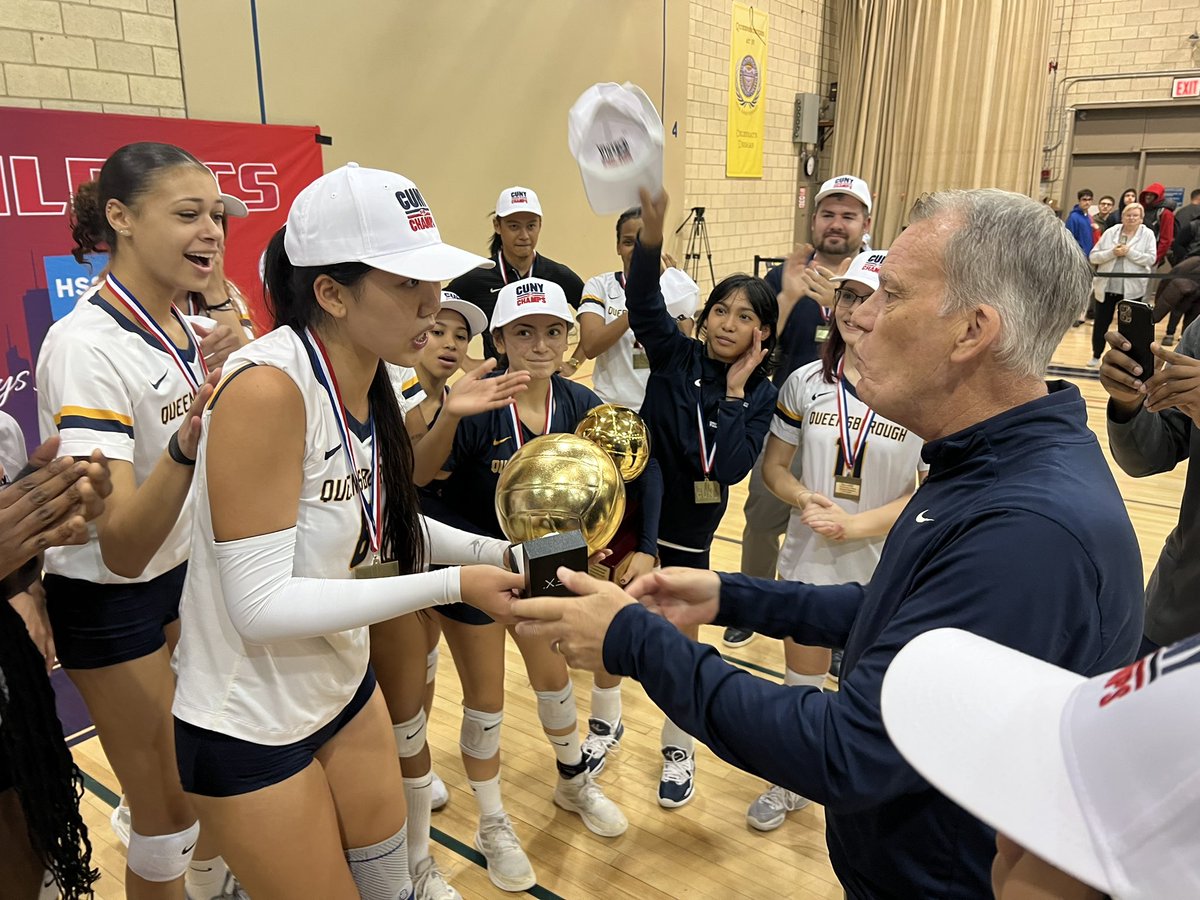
pixel 1185 87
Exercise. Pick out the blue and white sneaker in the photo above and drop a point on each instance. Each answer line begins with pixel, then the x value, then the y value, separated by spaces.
pixel 678 777
pixel 602 738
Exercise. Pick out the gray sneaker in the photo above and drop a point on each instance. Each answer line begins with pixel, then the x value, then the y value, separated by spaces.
pixel 507 865
pixel 430 884
pixel 582 795
pixel 771 808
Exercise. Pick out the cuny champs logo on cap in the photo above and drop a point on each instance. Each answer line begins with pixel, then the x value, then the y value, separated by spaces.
pixel 1149 669
pixel 518 197
pixel 616 153
pixel 874 261
pixel 533 292
pixel 414 205
pixel 844 181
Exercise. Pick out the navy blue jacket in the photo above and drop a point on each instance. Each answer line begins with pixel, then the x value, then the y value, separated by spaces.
pixel 1018 535
pixel 797 345
pixel 681 372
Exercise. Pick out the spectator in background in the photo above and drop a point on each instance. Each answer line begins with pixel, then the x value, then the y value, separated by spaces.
pixel 1158 219
pixel 1126 249
pixel 1186 215
pixel 1187 232
pixel 1105 207
pixel 1129 195
pixel 1079 222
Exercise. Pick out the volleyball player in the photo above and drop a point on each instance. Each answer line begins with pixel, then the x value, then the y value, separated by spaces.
pixel 304 484
pixel 126 373
pixel 222 300
pixel 708 407
pixel 516 228
pixel 858 471
pixel 530 324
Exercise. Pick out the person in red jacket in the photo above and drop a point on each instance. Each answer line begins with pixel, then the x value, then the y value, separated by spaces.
pixel 1159 218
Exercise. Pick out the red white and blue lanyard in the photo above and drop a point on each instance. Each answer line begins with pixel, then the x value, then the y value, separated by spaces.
pixel 850 452
pixel 147 322
pixel 369 495
pixel 707 454
pixel 500 264
pixel 518 434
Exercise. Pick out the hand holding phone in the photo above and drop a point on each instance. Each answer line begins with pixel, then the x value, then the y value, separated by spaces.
pixel 1135 323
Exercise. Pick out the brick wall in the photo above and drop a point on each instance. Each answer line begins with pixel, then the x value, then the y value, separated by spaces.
pixel 1093 37
pixel 750 215
pixel 113 56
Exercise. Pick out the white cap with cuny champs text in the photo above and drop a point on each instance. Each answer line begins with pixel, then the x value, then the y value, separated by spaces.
pixel 530 297
pixel 517 199
pixel 845 184
pixel 616 136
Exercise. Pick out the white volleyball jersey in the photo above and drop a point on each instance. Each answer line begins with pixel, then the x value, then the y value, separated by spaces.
pixel 13 455
pixel 406 385
pixel 105 383
pixel 621 372
pixel 281 692
pixel 806 414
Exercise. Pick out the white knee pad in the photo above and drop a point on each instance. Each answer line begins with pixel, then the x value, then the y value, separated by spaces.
pixel 431 661
pixel 556 709
pixel 162 857
pixel 480 735
pixel 410 735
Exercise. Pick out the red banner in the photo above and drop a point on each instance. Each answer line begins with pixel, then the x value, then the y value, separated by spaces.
pixel 45 155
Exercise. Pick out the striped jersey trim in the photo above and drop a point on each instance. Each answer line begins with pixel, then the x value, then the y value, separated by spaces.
pixel 93 419
pixel 795 419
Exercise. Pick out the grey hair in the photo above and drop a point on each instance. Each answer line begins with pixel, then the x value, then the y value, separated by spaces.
pixel 1014 254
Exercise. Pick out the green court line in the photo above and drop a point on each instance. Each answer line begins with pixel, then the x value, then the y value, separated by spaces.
pixel 450 843
pixel 746 664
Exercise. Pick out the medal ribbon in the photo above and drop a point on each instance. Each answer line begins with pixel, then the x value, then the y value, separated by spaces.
pixel 707 455
pixel 850 452
pixel 147 322
pixel 368 495
pixel 518 435
pixel 503 267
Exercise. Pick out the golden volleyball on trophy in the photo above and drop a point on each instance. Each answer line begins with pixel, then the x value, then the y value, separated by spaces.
pixel 621 433
pixel 558 483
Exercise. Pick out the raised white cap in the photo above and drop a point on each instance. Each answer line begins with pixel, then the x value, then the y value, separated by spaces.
pixel 616 136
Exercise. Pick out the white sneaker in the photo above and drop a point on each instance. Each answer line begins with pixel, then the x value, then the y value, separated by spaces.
pixel 1094 363
pixel 771 808
pixel 430 884
pixel 121 822
pixel 582 795
pixel 441 796
pixel 507 865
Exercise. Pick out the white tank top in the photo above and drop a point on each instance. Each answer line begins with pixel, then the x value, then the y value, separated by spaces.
pixel 278 693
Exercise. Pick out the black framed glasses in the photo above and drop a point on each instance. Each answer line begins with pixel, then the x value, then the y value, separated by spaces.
pixel 848 298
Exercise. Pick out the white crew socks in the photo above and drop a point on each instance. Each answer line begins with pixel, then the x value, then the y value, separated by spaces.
pixel 418 794
pixel 606 704
pixel 792 679
pixel 487 795
pixel 205 878
pixel 674 736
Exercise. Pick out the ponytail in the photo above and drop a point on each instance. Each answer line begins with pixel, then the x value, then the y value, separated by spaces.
pixel 89 224
pixel 403 539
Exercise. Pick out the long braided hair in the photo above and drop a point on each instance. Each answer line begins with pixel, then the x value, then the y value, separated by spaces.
pixel 48 783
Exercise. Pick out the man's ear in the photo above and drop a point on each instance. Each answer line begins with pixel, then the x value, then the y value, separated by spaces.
pixel 979 332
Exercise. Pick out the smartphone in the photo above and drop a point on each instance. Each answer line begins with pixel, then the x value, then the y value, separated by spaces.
pixel 1123 239
pixel 1135 322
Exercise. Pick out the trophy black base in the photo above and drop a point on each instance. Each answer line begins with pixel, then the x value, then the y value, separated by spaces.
pixel 541 558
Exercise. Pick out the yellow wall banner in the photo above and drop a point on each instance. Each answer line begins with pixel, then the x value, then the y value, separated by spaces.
pixel 747 91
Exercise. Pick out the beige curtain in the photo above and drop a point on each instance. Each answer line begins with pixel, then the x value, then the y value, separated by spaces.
pixel 936 94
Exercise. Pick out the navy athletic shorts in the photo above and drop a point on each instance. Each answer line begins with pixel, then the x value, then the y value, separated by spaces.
pixel 98 625
pixel 217 765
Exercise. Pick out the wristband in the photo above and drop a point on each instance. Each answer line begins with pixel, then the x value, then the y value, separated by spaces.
pixel 176 452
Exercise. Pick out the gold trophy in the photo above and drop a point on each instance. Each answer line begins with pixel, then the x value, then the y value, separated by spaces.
pixel 621 433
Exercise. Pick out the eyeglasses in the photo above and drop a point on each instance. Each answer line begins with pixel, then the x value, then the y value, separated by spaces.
pixel 849 299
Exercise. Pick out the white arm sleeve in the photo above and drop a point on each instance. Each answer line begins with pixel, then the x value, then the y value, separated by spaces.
pixel 267 603
pixel 449 546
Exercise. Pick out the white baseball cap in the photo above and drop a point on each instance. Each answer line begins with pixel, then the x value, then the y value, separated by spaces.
pixel 234 206
pixel 682 295
pixel 1097 776
pixel 475 317
pixel 530 297
pixel 845 184
pixel 354 214
pixel 517 199
pixel 864 269
pixel 616 136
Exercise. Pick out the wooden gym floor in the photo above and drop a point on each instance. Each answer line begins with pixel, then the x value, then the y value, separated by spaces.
pixel 704 849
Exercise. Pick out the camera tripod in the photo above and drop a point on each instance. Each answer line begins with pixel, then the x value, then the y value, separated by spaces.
pixel 697 237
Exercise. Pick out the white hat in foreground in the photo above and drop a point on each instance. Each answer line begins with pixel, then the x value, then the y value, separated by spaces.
pixel 517 199
pixel 1096 776
pixel 475 317
pixel 681 294
pixel 864 269
pixel 616 136
pixel 845 184
pixel 379 218
pixel 530 297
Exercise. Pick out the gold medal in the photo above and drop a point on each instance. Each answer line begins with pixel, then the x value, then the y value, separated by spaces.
pixel 822 334
pixel 846 487
pixel 707 492
pixel 377 570
pixel 640 360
